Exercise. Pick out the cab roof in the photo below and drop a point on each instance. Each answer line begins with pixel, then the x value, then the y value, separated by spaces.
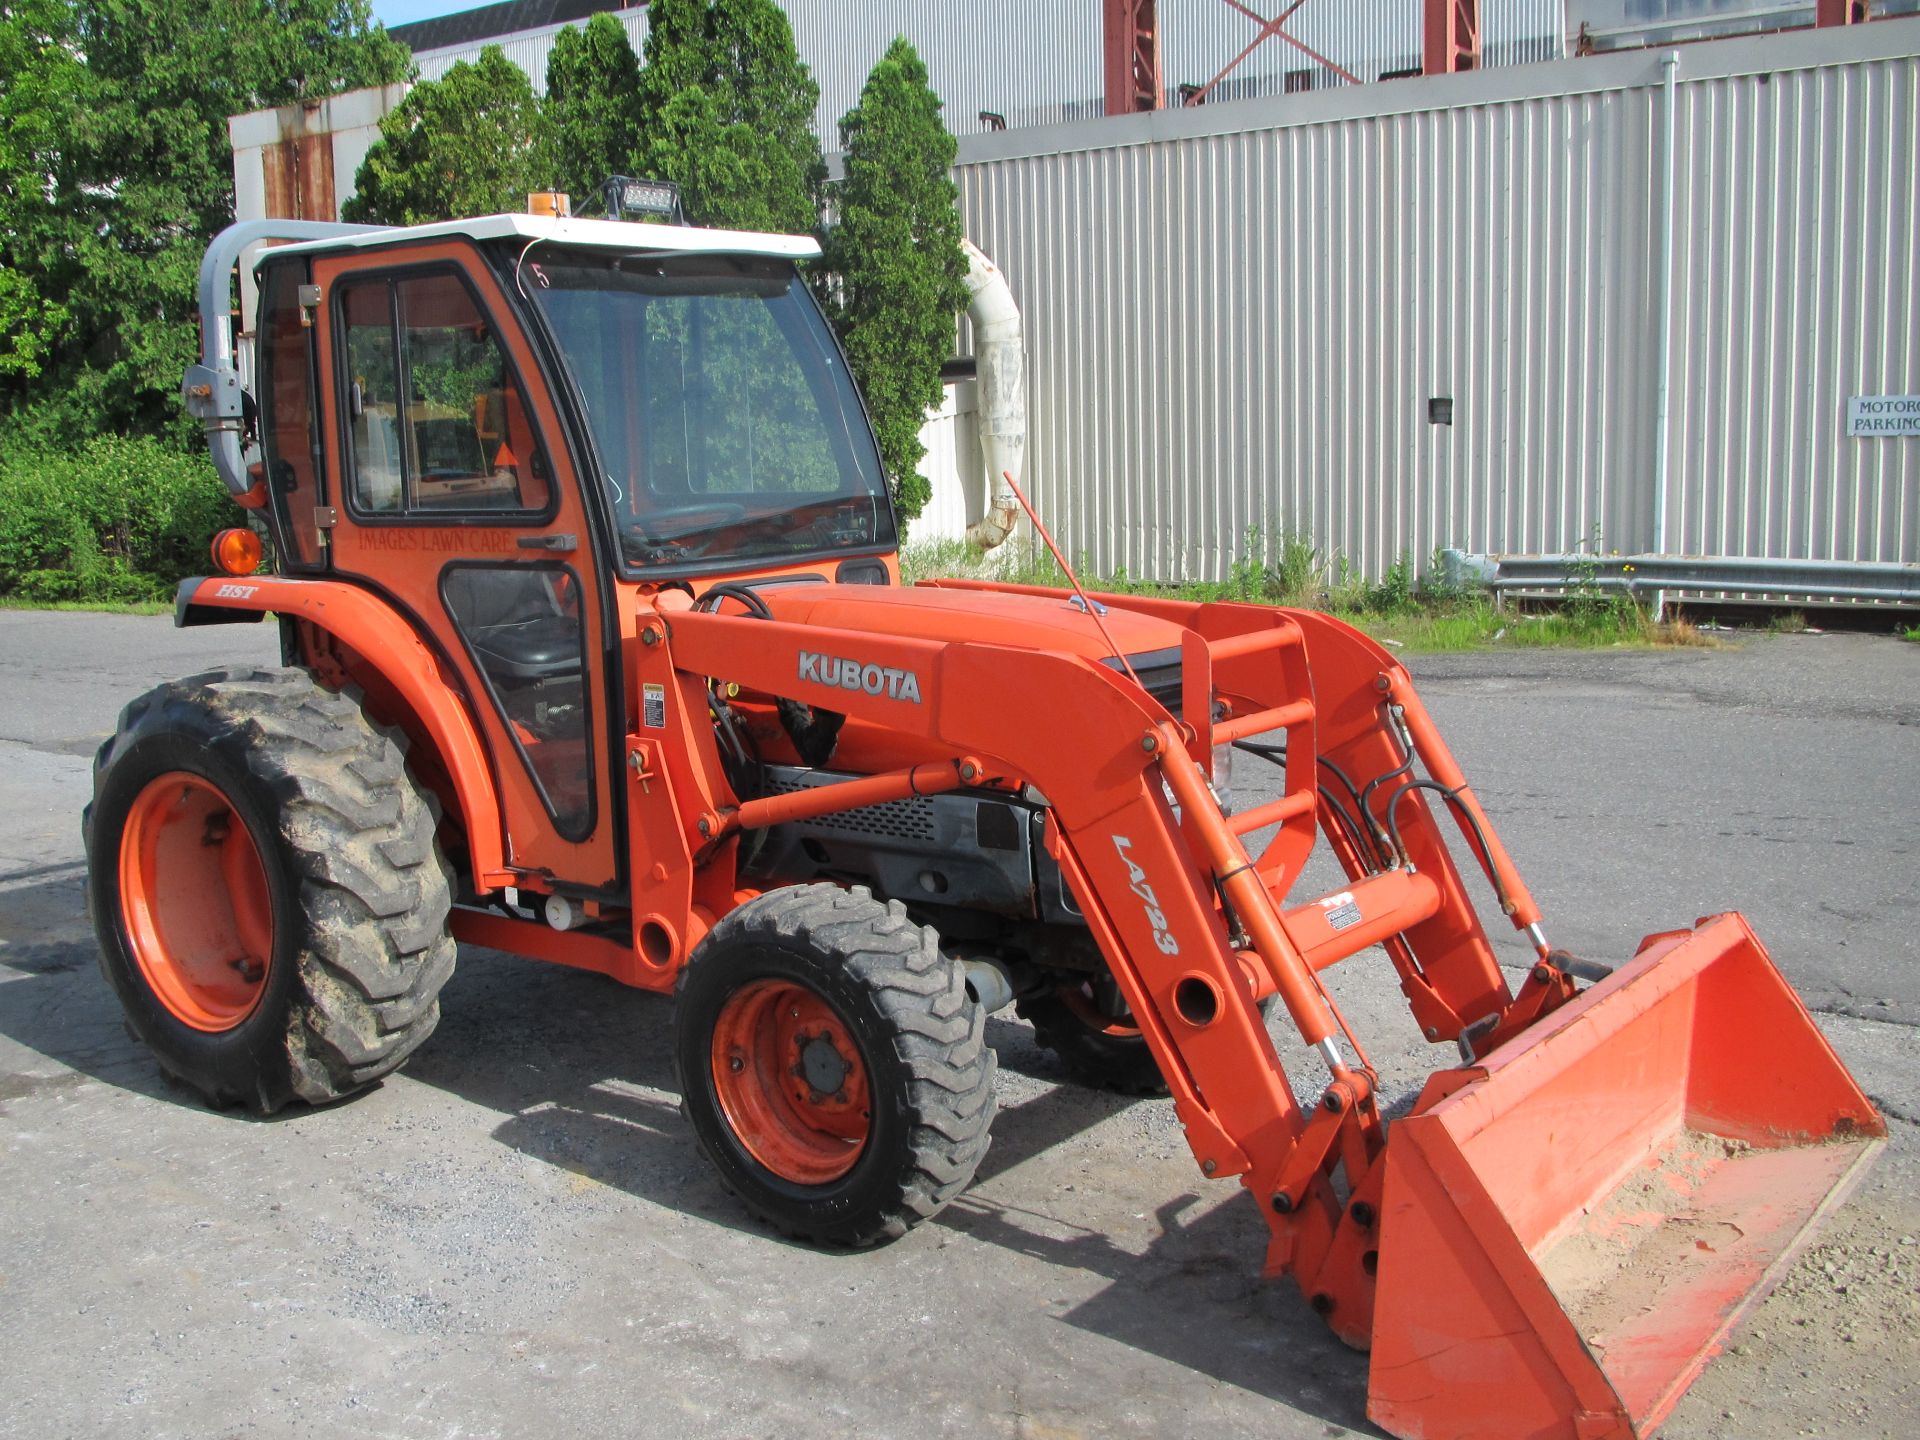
pixel 623 235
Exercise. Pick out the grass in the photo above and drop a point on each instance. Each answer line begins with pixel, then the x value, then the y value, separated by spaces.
pixel 1912 633
pixel 1396 609
pixel 110 607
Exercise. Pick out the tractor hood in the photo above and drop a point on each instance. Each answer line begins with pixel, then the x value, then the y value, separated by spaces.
pixel 1028 622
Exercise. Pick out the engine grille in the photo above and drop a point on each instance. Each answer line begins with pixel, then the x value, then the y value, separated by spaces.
pixel 910 819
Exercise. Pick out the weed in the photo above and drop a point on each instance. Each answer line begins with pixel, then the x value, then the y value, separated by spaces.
pixel 1296 576
pixel 1421 615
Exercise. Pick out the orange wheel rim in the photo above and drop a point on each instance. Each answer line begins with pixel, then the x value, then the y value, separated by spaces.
pixel 791 1081
pixel 194 896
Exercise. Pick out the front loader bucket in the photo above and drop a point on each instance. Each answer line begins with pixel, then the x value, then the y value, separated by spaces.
pixel 1569 1229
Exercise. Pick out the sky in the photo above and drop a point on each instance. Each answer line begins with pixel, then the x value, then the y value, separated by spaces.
pixel 405 12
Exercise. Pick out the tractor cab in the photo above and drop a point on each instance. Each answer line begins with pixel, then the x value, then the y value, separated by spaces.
pixel 509 427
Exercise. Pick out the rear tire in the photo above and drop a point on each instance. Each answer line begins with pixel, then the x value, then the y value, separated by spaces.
pixel 263 879
pixel 1082 1020
pixel 832 1066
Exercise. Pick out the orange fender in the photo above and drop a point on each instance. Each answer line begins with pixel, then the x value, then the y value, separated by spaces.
pixel 386 641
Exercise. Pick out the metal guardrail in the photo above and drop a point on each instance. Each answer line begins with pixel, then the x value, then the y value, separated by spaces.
pixel 1719 574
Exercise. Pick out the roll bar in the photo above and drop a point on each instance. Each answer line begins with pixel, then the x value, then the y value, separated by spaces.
pixel 211 389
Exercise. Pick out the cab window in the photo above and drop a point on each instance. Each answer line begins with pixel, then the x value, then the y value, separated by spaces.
pixel 437 422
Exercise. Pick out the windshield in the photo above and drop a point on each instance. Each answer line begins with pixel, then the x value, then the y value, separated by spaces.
pixel 725 423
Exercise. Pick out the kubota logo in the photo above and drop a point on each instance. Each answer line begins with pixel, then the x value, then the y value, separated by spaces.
pixel 1156 917
pixel 852 675
pixel 235 592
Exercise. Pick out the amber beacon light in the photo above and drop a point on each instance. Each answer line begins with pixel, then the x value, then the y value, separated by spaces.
pixel 237 552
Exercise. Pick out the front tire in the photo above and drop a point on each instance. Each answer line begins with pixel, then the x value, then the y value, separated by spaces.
pixel 832 1066
pixel 263 879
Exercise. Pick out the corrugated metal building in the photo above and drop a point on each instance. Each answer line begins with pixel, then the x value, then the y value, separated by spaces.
pixel 1239 315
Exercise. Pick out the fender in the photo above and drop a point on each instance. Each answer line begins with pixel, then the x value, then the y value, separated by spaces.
pixel 389 643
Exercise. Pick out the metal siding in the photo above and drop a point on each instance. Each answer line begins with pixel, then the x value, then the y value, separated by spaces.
pixel 529 49
pixel 1798 237
pixel 1244 331
pixel 1242 328
pixel 1033 64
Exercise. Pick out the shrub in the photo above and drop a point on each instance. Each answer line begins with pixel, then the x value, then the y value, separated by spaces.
pixel 118 519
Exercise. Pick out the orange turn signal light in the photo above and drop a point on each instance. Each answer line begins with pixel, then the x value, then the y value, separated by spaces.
pixel 237 552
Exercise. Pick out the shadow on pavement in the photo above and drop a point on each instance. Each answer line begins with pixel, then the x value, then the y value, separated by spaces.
pixel 53 999
pixel 580 1068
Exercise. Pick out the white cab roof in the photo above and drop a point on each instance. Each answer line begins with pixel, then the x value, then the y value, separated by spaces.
pixel 623 235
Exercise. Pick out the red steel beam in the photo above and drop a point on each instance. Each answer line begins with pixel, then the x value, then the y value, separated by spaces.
pixel 1452 39
pixel 1133 56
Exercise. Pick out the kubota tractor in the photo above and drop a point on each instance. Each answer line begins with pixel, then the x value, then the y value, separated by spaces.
pixel 595 651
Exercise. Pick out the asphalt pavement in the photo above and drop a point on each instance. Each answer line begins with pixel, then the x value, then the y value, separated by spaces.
pixel 517 1236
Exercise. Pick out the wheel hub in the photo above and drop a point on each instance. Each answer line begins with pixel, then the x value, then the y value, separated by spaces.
pixel 193 894
pixel 790 1081
pixel 821 1065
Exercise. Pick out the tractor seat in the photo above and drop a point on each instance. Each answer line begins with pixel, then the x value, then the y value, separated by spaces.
pixel 514 624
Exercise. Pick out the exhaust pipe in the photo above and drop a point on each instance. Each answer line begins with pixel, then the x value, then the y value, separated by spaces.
pixel 988 984
pixel 1000 359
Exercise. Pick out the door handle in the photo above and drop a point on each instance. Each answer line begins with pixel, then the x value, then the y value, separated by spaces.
pixel 566 544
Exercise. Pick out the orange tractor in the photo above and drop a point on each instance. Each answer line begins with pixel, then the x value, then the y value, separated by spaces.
pixel 595 652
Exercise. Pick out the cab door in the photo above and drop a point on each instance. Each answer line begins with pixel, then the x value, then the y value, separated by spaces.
pixel 456 498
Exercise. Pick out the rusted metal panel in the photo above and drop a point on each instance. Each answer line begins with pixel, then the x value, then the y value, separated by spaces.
pixel 313 161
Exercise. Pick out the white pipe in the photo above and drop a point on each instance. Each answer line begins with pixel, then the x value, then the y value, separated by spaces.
pixel 1662 400
pixel 1000 373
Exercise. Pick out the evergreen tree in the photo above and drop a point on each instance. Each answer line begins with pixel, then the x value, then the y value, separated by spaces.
pixel 592 106
pixel 473 142
pixel 896 254
pixel 726 106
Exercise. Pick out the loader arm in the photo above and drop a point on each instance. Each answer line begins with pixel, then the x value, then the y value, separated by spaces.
pixel 1193 927
pixel 1692 1075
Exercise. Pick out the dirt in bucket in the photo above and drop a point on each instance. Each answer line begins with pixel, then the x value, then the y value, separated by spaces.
pixel 1625 1251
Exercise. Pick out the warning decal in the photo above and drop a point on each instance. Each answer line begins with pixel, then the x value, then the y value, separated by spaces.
pixel 653 706
pixel 1342 910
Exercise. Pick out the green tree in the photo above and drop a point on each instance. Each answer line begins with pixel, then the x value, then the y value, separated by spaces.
pixel 119 170
pixel 42 82
pixel 473 142
pixel 726 108
pixel 592 106
pixel 896 254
